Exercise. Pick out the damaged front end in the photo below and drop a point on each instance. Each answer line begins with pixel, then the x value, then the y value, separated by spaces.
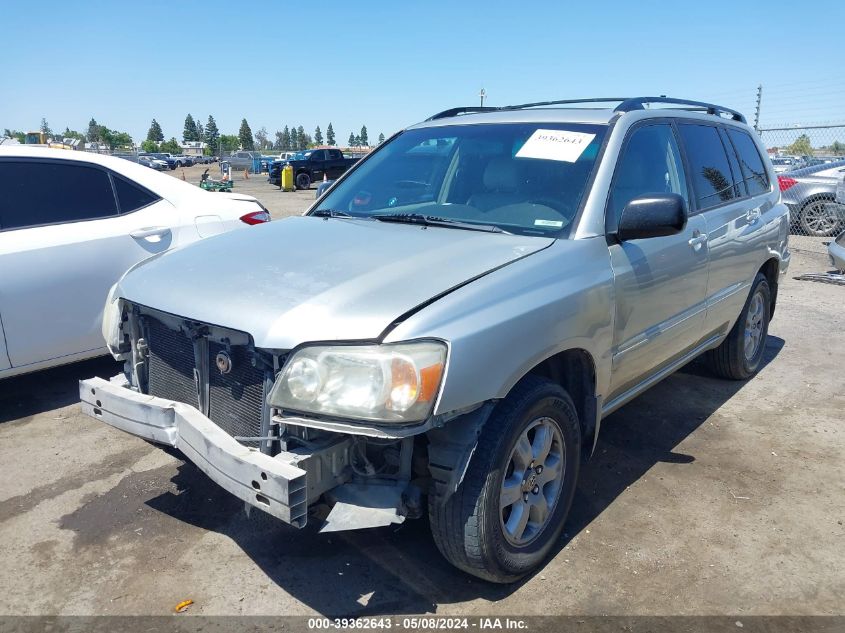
pixel 207 391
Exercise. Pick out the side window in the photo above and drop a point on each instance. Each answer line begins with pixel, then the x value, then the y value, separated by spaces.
pixel 650 163
pixel 334 154
pixel 753 170
pixel 711 172
pixel 318 155
pixel 130 196
pixel 39 193
pixel 736 172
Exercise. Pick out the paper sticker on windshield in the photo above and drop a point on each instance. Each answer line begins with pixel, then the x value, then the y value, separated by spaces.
pixel 555 145
pixel 556 224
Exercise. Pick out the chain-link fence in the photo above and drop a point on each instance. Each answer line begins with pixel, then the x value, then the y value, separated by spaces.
pixel 810 164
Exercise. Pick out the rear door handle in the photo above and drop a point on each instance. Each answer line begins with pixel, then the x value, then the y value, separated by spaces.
pixel 150 231
pixel 697 241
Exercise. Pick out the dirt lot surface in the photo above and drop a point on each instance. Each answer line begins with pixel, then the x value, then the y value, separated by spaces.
pixel 280 203
pixel 704 497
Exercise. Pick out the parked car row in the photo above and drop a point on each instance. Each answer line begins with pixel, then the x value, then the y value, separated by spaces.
pixel 71 223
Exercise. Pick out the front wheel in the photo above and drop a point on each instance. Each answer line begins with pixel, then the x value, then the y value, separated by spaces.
pixel 303 181
pixel 740 355
pixel 509 511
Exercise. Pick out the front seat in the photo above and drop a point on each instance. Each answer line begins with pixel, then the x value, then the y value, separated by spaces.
pixel 501 183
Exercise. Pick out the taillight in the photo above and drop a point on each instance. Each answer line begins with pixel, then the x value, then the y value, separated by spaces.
pixel 785 182
pixel 256 217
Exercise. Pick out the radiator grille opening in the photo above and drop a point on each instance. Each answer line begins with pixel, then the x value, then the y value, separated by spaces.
pixel 236 399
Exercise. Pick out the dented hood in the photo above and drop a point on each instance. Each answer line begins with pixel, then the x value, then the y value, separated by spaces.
pixel 313 279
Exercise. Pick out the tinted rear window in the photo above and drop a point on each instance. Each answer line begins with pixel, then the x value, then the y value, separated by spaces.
pixel 753 170
pixel 711 172
pixel 130 196
pixel 48 193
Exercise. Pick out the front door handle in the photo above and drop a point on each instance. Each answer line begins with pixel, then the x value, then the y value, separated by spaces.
pixel 150 231
pixel 753 215
pixel 697 241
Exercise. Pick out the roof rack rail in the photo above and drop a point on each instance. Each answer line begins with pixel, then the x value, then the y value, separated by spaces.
pixel 626 104
pixel 637 103
pixel 464 110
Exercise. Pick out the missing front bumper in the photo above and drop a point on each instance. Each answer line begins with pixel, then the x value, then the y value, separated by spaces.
pixel 277 485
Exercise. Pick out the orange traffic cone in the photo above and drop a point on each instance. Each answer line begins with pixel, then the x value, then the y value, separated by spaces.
pixel 324 177
pixel 183 174
pixel 246 175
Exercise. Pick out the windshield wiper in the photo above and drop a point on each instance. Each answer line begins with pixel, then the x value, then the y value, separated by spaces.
pixel 432 220
pixel 330 213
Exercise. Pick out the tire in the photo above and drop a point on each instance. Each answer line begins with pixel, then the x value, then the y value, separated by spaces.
pixel 731 360
pixel 472 528
pixel 815 221
pixel 303 181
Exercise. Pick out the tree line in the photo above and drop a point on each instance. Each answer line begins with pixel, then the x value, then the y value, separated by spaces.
pixel 291 138
pixel 95 133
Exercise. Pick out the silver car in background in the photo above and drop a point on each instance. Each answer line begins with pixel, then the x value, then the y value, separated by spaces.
pixel 810 194
pixel 448 325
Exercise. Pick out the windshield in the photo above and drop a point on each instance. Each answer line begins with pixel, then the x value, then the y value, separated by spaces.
pixel 524 178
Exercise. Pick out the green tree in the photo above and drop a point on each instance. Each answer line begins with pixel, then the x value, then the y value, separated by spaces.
pixel 68 133
pixel 285 144
pixel 330 136
pixel 115 139
pixel 294 138
pixel 93 133
pixel 190 131
pixel 801 146
pixel 261 139
pixel 303 138
pixel 351 140
pixel 198 131
pixel 837 148
pixel 212 135
pixel 364 140
pixel 149 145
pixel 154 133
pixel 171 146
pixel 245 136
pixel 16 134
pixel 381 138
pixel 45 127
pixel 229 142
pixel 318 136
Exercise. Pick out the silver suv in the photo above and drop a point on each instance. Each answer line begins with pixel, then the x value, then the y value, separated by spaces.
pixel 445 329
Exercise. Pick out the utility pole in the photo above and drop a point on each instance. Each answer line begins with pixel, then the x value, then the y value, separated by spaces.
pixel 482 94
pixel 757 110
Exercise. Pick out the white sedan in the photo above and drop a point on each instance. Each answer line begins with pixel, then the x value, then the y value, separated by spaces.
pixel 71 223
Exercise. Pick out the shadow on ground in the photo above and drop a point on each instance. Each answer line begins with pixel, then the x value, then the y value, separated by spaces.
pixel 30 394
pixel 399 570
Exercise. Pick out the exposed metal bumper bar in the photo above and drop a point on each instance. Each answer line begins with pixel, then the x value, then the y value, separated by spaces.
pixel 274 484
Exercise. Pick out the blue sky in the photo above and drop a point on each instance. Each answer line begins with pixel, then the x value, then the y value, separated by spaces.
pixel 390 64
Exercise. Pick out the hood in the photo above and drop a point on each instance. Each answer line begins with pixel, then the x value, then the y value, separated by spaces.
pixel 313 279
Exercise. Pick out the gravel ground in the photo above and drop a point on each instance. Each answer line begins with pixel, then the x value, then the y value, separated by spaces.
pixel 704 497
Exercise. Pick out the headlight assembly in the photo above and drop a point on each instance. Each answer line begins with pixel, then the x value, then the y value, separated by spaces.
pixel 385 383
pixel 112 317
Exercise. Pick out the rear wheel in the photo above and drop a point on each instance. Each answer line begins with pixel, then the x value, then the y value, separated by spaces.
pixel 741 353
pixel 817 220
pixel 303 181
pixel 509 511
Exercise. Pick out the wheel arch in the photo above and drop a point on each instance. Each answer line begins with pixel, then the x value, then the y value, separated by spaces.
pixel 771 271
pixel 575 370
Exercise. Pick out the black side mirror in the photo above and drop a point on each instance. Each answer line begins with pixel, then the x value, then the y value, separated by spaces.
pixel 652 215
